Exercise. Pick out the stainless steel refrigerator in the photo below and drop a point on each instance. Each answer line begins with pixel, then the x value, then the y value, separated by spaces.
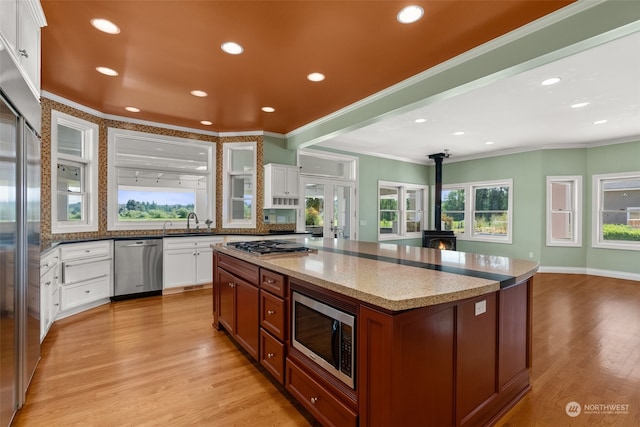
pixel 19 239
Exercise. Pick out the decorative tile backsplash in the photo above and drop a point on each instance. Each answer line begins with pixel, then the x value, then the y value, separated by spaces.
pixel 104 124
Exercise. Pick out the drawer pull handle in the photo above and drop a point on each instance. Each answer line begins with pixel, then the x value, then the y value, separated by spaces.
pixel 271 312
pixel 23 52
pixel 47 283
pixel 87 251
pixel 231 285
pixel 270 281
pixel 313 400
pixel 270 355
pixel 87 292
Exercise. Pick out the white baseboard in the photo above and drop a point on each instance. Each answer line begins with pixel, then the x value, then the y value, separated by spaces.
pixel 590 271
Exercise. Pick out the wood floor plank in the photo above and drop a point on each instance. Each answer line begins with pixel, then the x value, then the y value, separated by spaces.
pixel 158 362
pixel 586 349
pixel 149 362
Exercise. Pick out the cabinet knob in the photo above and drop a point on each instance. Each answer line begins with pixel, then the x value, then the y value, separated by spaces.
pixel 270 281
pixel 231 285
pixel 87 250
pixel 270 355
pixel 23 52
pixel 313 400
pixel 47 283
pixel 87 292
pixel 271 312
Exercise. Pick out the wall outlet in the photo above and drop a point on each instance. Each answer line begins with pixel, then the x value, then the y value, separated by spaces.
pixel 531 255
pixel 481 307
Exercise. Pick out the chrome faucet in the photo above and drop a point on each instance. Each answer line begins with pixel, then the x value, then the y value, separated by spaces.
pixel 164 227
pixel 194 216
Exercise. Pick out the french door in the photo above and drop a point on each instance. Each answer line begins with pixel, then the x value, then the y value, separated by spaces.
pixel 329 208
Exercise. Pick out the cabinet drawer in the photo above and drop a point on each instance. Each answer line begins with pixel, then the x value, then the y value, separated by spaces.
pixel 272 355
pixel 74 272
pixel 272 314
pixel 272 282
pixel 85 250
pixel 321 403
pixel 189 242
pixel 82 293
pixel 248 272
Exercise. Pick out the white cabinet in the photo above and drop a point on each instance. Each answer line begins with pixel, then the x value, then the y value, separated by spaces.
pixel 87 276
pixel 20 23
pixel 281 186
pixel 187 261
pixel 49 290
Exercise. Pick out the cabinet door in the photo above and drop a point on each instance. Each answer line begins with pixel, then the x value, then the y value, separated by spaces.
pixel 47 281
pixel 29 45
pixel 225 288
pixel 9 22
pixel 179 267
pixel 247 308
pixel 204 265
pixel 292 182
pixel 279 181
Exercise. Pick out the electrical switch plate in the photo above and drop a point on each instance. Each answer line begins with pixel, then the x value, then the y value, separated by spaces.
pixel 481 307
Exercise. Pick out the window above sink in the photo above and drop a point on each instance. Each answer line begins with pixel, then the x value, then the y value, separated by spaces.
pixel 154 179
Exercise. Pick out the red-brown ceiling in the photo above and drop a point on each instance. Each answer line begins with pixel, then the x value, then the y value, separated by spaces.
pixel 167 48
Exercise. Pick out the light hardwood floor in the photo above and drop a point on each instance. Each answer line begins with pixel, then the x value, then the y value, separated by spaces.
pixel 158 362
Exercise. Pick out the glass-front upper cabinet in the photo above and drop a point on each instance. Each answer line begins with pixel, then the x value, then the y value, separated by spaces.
pixel 239 187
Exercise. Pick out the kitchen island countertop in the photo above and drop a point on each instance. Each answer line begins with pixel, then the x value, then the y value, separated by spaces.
pixel 394 277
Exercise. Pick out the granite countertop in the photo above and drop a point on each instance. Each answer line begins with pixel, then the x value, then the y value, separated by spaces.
pixel 394 277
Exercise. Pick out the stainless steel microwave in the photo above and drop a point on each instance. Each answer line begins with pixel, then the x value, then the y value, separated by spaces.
pixel 326 335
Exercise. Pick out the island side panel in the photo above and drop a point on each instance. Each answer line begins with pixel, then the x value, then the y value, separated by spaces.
pixel 406 366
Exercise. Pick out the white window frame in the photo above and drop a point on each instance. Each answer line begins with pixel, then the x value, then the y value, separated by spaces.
pixel 228 174
pixel 575 211
pixel 89 160
pixel 402 210
pixel 470 210
pixel 113 222
pixel 597 201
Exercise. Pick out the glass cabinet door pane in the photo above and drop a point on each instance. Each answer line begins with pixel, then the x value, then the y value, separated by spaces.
pixel 70 141
pixel 241 160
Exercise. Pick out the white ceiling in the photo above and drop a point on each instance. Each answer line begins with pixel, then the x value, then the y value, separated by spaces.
pixel 517 113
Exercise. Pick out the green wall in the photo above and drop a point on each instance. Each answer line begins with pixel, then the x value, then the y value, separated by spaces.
pixel 601 160
pixel 528 171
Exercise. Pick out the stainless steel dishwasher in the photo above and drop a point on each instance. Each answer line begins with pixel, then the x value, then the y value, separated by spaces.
pixel 138 268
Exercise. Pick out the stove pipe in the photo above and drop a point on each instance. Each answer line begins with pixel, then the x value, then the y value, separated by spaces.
pixel 438 196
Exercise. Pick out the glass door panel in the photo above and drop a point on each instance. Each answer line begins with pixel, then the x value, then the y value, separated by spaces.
pixel 314 209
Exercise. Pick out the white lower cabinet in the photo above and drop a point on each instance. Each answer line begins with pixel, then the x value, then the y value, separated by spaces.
pixel 84 292
pixel 49 286
pixel 187 261
pixel 87 276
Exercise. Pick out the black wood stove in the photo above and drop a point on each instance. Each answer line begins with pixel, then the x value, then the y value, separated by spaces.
pixel 438 238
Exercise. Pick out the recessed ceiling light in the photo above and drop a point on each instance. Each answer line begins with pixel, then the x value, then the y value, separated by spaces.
pixel 316 77
pixel 206 122
pixel 580 105
pixel 458 133
pixel 132 109
pixel 489 142
pixel 105 26
pixel 599 122
pixel 410 14
pixel 268 109
pixel 420 120
pixel 106 71
pixel 199 93
pixel 232 48
pixel 551 81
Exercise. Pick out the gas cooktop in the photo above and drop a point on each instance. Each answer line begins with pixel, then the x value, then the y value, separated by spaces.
pixel 271 247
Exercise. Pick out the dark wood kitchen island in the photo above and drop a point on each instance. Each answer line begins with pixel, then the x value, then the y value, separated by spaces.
pixel 443 338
